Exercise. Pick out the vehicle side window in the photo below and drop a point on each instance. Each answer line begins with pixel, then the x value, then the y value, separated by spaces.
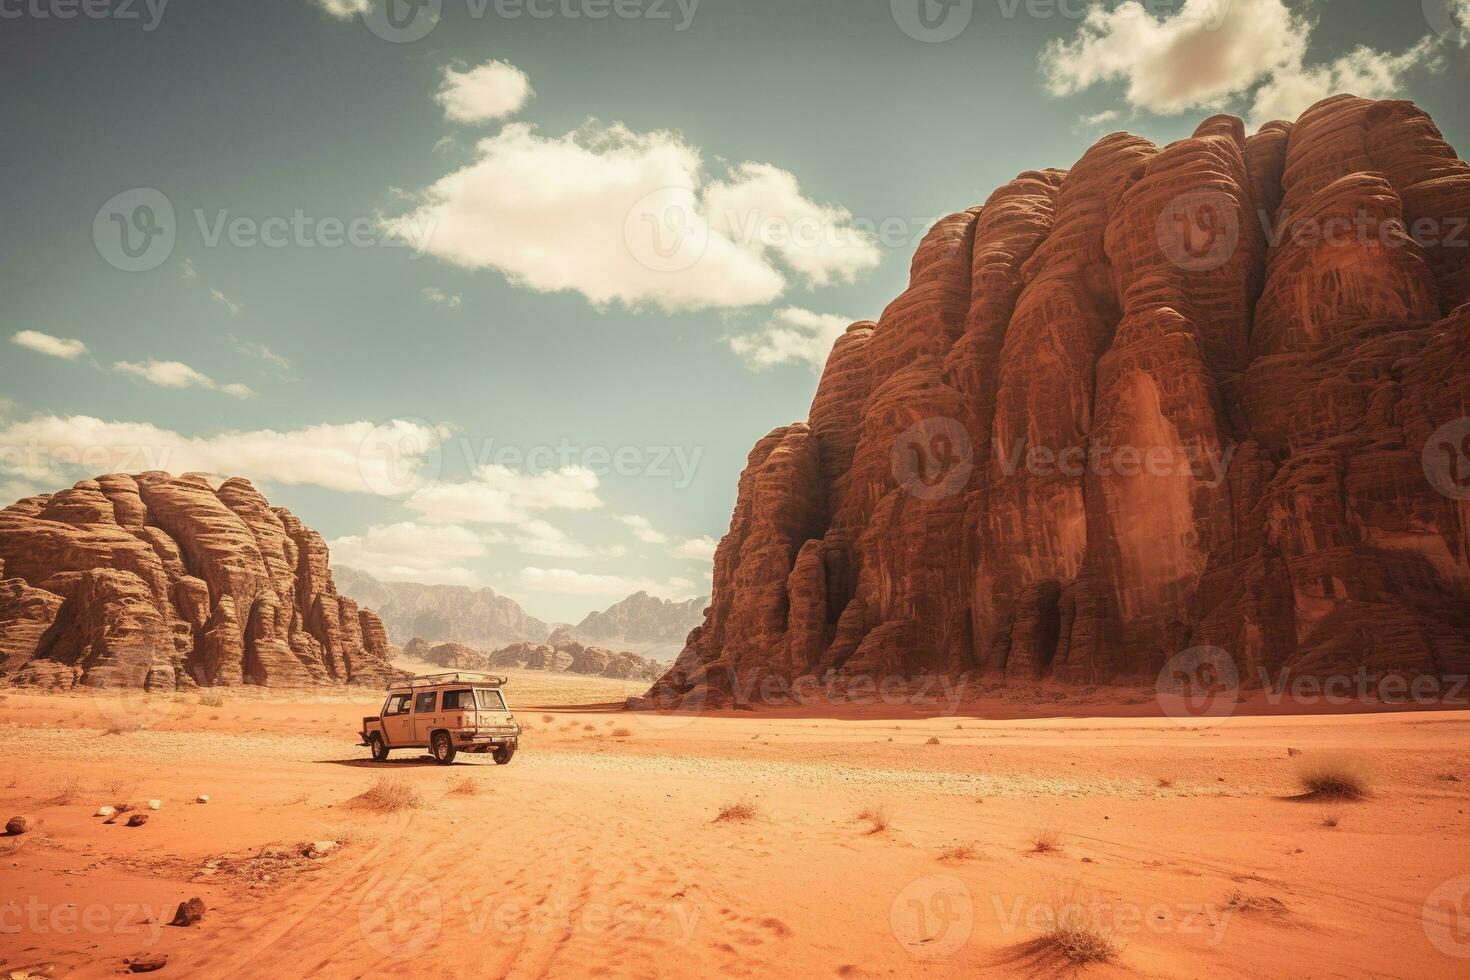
pixel 425 702
pixel 397 705
pixel 456 700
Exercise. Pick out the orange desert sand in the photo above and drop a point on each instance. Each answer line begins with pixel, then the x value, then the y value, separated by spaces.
pixel 599 851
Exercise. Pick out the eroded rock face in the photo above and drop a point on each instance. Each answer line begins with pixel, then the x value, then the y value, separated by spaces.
pixel 567 656
pixel 166 583
pixel 1172 397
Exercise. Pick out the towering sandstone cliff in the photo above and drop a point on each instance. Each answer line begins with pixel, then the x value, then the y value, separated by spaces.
pixel 161 582
pixel 1173 397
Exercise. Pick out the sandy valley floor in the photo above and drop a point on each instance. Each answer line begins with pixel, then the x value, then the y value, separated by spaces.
pixel 597 852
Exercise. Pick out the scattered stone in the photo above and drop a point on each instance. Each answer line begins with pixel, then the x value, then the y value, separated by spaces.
pixel 155 804
pixel 1293 752
pixel 137 820
pixel 202 798
pixel 147 962
pixel 189 913
pixel 16 826
pixel 319 848
pixel 106 811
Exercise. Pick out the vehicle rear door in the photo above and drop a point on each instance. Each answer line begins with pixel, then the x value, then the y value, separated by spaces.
pixel 397 722
pixel 425 716
pixel 457 709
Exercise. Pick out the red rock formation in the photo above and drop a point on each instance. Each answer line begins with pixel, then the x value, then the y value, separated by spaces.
pixel 1172 397
pixel 165 583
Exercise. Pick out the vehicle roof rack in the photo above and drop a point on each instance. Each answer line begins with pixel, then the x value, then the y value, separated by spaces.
pixel 452 677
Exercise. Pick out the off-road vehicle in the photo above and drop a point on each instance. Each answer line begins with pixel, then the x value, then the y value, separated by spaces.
pixel 446 714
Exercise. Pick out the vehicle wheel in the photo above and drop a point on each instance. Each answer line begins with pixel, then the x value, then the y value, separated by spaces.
pixel 378 747
pixel 504 754
pixel 443 747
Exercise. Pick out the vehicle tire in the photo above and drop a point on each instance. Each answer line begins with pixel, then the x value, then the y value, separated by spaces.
pixel 378 747
pixel 504 754
pixel 443 748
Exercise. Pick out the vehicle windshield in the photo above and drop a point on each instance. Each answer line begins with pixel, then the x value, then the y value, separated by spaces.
pixel 490 700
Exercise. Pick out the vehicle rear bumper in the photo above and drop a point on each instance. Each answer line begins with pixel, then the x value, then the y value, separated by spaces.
pixel 475 738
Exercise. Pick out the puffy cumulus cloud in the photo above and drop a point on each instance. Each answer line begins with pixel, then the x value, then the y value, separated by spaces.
pixel 345 9
pixel 431 554
pixel 486 92
pixel 42 343
pixel 566 581
pixel 643 529
pixel 500 495
pixel 791 336
pixel 174 374
pixel 630 218
pixel 697 549
pixel 1210 53
pixel 357 457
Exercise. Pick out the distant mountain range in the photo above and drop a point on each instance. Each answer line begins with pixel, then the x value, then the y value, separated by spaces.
pixel 485 620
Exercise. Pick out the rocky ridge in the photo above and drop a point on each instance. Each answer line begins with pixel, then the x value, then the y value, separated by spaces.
pixel 151 581
pixel 1195 395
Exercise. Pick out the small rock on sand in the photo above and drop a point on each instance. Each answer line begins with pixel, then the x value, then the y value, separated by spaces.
pixel 147 962
pixel 189 912
pixel 16 826
pixel 1293 752
pixel 155 804
pixel 105 811
pixel 202 798
pixel 137 820
pixel 320 848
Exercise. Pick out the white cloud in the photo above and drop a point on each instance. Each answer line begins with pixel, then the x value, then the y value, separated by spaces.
pixel 500 495
pixel 569 582
pixel 438 297
pixel 1211 53
pixel 697 549
pixel 1101 118
pixel 490 91
pixel 175 374
pixel 345 9
pixel 643 529
pixel 1362 71
pixel 262 352
pixel 358 457
pixel 626 217
pixel 408 552
pixel 791 336
pixel 228 303
pixel 41 343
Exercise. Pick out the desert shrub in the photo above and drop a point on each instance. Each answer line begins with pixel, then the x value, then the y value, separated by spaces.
pixel 957 853
pixel 464 786
pixel 1335 777
pixel 737 812
pixel 876 817
pixel 1047 841
pixel 621 733
pixel 388 796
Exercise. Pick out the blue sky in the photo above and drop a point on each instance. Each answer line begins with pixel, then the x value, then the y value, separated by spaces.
pixel 412 288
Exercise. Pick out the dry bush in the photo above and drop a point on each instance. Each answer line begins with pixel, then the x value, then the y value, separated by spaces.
pixel 933 740
pixel 1335 777
pixel 958 853
pixel 547 719
pixel 1165 782
pixel 1048 841
pixel 464 786
pixel 876 817
pixel 1078 942
pixel 1239 901
pixel 1331 820
pixel 621 733
pixel 388 796
pixel 1447 777
pixel 737 812
pixel 589 728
